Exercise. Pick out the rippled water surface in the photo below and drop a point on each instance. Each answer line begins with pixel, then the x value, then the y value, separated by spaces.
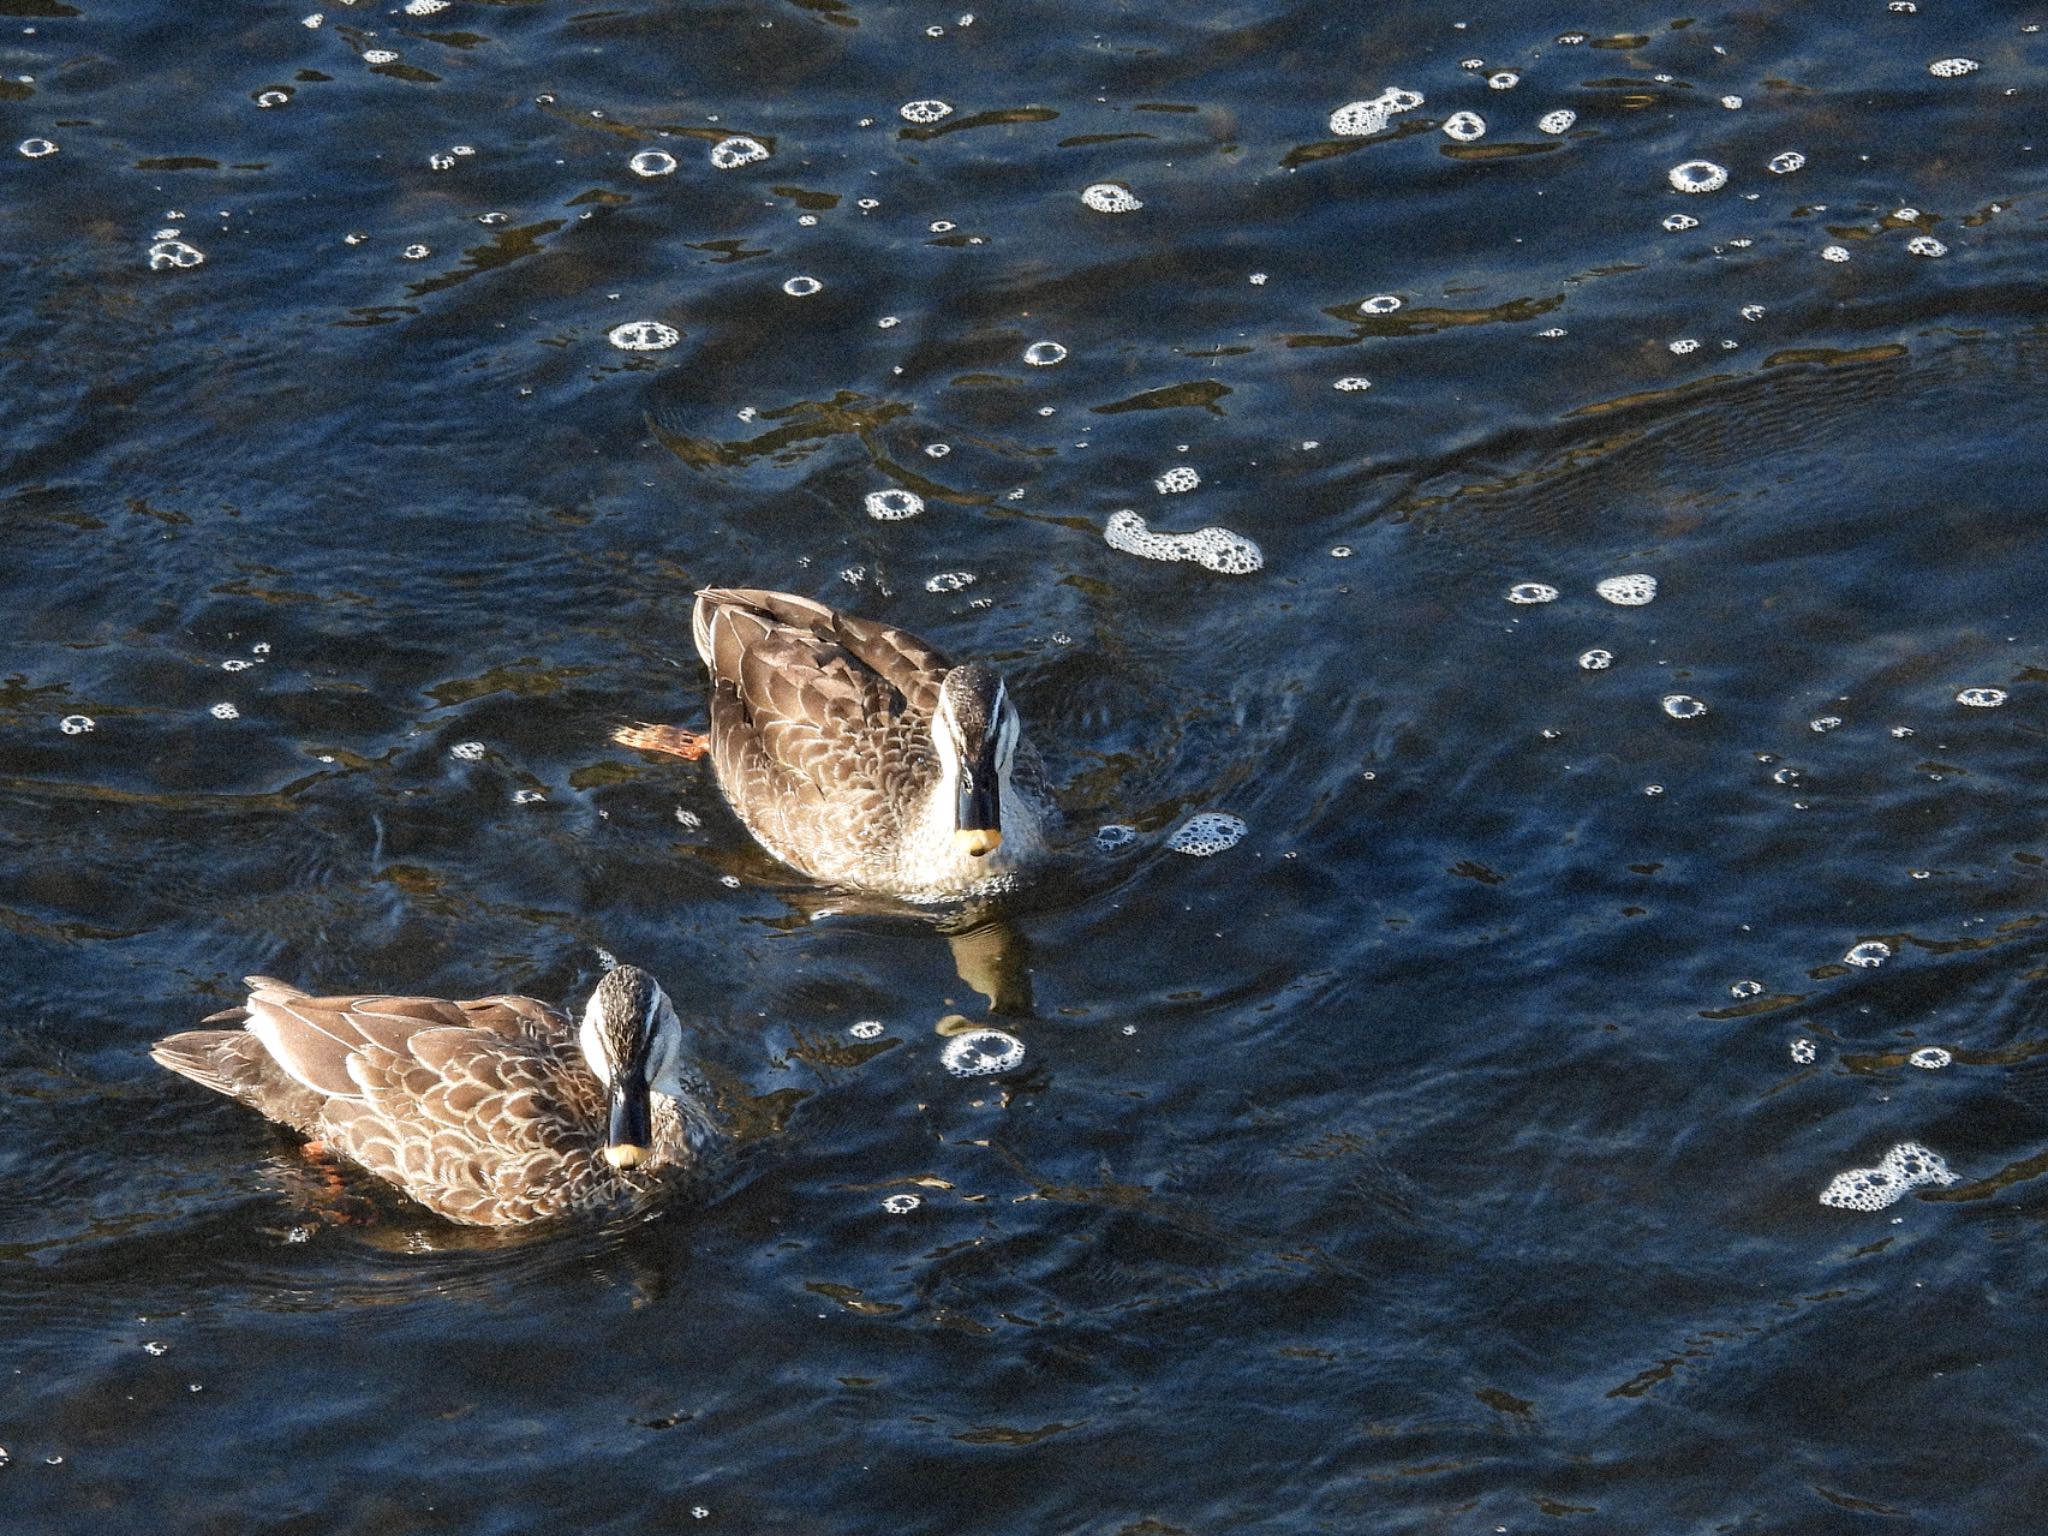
pixel 1445 1154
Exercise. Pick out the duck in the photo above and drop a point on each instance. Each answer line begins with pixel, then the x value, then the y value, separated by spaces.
pixel 491 1112
pixel 861 755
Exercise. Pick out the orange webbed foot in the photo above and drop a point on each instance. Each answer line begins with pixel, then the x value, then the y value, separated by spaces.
pixel 690 745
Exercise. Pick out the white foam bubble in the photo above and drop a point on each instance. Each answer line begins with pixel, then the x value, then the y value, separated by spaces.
pixel 1906 1167
pixel 36 149
pixel 900 1205
pixel 425 7
pixel 1217 549
pixel 949 581
pixel 416 253
pixel 1677 223
pixel 1631 591
pixel 1982 698
pixel 467 751
pixel 1752 312
pixel 1597 660
pixel 643 336
pixel 802 287
pixel 1503 80
pixel 1698 176
pixel 925 112
pixel 1685 345
pixel 1732 103
pixel 1803 1052
pixel 271 99
pixel 1820 725
pixel 1837 253
pixel 1786 163
pixel 730 154
pixel 1746 989
pixel 1926 245
pixel 1930 1058
pixel 893 505
pixel 1114 836
pixel 1045 354
pixel 1952 69
pixel 981 1052
pixel 1379 304
pixel 1868 955
pixel 866 1029
pixel 77 725
pixel 1361 119
pixel 225 712
pixel 653 162
pixel 1464 127
pixel 527 797
pixel 1683 706
pixel 168 254
pixel 1559 121
pixel 1352 384
pixel 1108 197
pixel 1208 833
pixel 1177 481
pixel 380 56
pixel 1532 592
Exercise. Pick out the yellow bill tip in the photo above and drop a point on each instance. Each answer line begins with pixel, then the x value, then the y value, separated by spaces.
pixel 977 841
pixel 625 1155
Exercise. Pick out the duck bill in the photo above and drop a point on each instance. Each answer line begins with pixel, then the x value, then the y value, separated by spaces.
pixel 628 1128
pixel 978 818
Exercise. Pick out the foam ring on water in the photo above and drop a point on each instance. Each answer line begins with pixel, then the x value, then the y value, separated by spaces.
pixel 982 1052
pixel 1045 354
pixel 1683 706
pixel 1982 698
pixel 1114 836
pixel 36 149
pixel 1952 69
pixel 1868 955
pixel 1597 660
pixel 1379 304
pixel 1215 549
pixel 1697 176
pixel 801 287
pixel 1926 245
pixel 169 255
pixel 925 112
pixel 77 725
pixel 1532 592
pixel 653 162
pixel 1177 481
pixel 730 154
pixel 1631 591
pixel 1906 1167
pixel 1464 127
pixel 1786 163
pixel 643 336
pixel 1108 197
pixel 1206 834
pixel 894 506
pixel 1930 1058
pixel 1557 122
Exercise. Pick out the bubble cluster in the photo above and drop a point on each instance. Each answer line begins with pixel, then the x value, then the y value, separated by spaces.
pixel 1683 706
pixel 901 1205
pixel 1952 69
pixel 1907 1166
pixel 1678 223
pixel 1746 989
pixel 1698 176
pixel 1464 127
pixel 225 712
pixel 416 253
pixel 1362 119
pixel 1503 80
pixel 1352 384
pixel 1380 304
pixel 1114 836
pixel 1803 1052
pixel 1597 660
pixel 467 751
pixel 949 581
pixel 1835 253
pixel 167 254
pixel 925 112
pixel 1045 354
pixel 653 162
pixel 1868 955
pixel 1820 725
pixel 643 336
pixel 1108 197
pixel 1982 698
pixel 980 1052
pixel 1532 592
pixel 1177 481
pixel 802 287
pixel 1785 164
pixel 1207 833
pixel 1631 591
pixel 893 506
pixel 77 725
pixel 527 797
pixel 1930 1058
pixel 1926 245
pixel 1685 346
pixel 730 154
pixel 1216 549
pixel 1559 121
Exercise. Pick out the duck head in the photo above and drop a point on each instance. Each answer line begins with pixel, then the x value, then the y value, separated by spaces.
pixel 634 1043
pixel 975 730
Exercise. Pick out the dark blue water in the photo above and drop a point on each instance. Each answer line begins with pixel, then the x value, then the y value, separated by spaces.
pixel 1445 1156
